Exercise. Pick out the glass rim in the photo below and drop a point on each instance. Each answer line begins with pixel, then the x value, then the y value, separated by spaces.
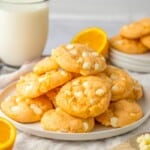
pixel 23 2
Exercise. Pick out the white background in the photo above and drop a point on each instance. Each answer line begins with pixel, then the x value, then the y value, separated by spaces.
pixel 100 9
pixel 68 17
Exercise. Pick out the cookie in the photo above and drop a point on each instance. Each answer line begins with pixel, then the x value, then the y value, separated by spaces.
pixel 45 65
pixel 79 58
pixel 58 120
pixel 145 22
pixel 122 82
pixel 33 85
pixel 146 41
pixel 85 96
pixel 127 46
pixel 137 91
pixel 136 30
pixel 52 95
pixel 25 110
pixel 120 114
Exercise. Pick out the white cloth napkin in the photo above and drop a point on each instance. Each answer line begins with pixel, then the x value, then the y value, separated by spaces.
pixel 6 79
pixel 28 142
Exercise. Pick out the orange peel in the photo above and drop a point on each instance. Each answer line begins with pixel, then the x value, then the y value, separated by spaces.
pixel 7 134
pixel 94 37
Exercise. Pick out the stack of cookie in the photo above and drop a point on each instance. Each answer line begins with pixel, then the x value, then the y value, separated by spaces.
pixel 133 38
pixel 71 89
pixel 131 45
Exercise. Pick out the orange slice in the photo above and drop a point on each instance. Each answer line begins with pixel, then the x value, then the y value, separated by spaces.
pixel 7 134
pixel 94 37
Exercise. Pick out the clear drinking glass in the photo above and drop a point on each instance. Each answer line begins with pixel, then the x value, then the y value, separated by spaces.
pixel 23 30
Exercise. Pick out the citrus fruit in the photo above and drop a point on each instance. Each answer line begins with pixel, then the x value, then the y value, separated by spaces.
pixel 94 37
pixel 7 134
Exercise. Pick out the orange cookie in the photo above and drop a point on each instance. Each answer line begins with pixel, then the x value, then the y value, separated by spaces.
pixel 25 110
pixel 145 41
pixel 33 85
pixel 122 83
pixel 52 95
pixel 127 46
pixel 45 65
pixel 137 29
pixel 58 120
pixel 79 58
pixel 137 91
pixel 121 113
pixel 84 96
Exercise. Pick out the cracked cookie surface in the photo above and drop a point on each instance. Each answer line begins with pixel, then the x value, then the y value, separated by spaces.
pixel 26 110
pixel 79 58
pixel 84 96
pixel 58 120
pixel 121 113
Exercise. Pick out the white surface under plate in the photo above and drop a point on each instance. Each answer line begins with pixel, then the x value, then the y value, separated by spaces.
pixel 139 57
pixel 99 132
pixel 130 66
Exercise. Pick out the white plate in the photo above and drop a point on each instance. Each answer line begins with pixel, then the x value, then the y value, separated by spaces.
pixel 130 66
pixel 142 57
pixel 129 60
pixel 99 132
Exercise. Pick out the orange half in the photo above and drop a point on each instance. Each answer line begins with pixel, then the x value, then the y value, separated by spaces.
pixel 7 134
pixel 94 37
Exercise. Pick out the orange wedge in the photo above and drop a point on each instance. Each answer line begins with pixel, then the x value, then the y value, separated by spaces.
pixel 7 134
pixel 94 37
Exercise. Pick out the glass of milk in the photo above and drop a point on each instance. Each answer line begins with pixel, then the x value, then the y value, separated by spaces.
pixel 23 30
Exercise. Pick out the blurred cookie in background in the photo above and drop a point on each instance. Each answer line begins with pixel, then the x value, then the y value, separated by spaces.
pixel 145 40
pixel 127 45
pixel 136 29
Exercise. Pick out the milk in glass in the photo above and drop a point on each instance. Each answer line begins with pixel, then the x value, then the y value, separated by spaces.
pixel 23 30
